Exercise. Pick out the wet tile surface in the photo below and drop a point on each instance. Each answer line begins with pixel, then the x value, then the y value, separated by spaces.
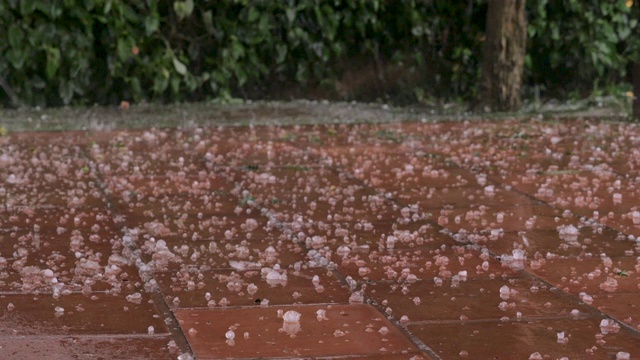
pixel 520 340
pixel 121 348
pixel 78 315
pixel 462 234
pixel 342 330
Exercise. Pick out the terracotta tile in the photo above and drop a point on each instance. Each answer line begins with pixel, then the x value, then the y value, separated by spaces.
pixel 236 288
pixel 45 197
pixel 591 275
pixel 214 185
pixel 465 197
pixel 594 241
pixel 363 235
pixel 48 220
pixel 205 255
pixel 28 255
pixel 200 227
pixel 28 141
pixel 315 194
pixel 508 218
pixel 474 299
pixel 519 340
pixel 348 330
pixel 623 307
pixel 31 347
pixel 623 223
pixel 37 315
pixel 261 153
pixel 422 263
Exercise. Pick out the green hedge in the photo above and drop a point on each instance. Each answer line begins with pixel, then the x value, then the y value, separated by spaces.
pixel 86 51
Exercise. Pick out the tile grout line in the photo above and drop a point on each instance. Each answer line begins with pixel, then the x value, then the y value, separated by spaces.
pixel 531 275
pixel 392 319
pixel 525 272
pixel 170 320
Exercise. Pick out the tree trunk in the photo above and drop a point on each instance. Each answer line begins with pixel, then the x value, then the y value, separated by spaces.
pixel 636 90
pixel 503 55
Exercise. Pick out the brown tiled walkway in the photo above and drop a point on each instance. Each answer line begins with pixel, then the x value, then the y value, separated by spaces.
pixel 479 240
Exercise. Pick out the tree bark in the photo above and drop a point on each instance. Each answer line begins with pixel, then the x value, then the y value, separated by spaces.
pixel 636 90
pixel 503 55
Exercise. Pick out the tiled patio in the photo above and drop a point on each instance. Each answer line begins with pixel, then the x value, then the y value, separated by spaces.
pixel 480 240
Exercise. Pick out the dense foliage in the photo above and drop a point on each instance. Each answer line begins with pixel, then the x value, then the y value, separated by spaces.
pixel 85 51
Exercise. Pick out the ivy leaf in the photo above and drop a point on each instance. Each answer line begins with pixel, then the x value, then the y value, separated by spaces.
pixel 53 62
pixel 183 8
pixel 253 15
pixel 161 82
pixel 291 14
pixel 27 6
pixel 15 36
pixel 16 58
pixel 281 50
pixel 180 67
pixel 207 18
pixel 123 48
pixel 151 24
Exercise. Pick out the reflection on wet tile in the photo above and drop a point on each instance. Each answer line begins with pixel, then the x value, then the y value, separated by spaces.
pixel 252 287
pixel 258 332
pixel 77 314
pixel 120 348
pixel 444 227
pixel 624 307
pixel 593 275
pixel 474 299
pixel 468 196
pixel 408 265
pixel 519 340
pixel 509 218
pixel 173 254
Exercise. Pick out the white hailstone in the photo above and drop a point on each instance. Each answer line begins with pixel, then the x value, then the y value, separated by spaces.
pixel 622 355
pixel 291 316
pixel 504 292
pixel 252 289
pixel 535 356
pixel 321 315
pixel 230 335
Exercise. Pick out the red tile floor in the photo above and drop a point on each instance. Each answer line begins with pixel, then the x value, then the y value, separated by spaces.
pixel 479 240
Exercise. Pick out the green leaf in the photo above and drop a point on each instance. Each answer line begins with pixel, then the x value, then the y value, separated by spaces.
pixel 180 67
pixel 151 24
pixel 53 62
pixel 15 36
pixel 237 49
pixel 207 18
pixel 66 91
pixel 16 57
pixel 291 14
pixel 183 8
pixel 281 50
pixel 107 7
pixel 160 83
pixel 27 6
pixel 123 48
pixel 623 33
pixel 136 89
pixel 253 14
pixel 175 84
